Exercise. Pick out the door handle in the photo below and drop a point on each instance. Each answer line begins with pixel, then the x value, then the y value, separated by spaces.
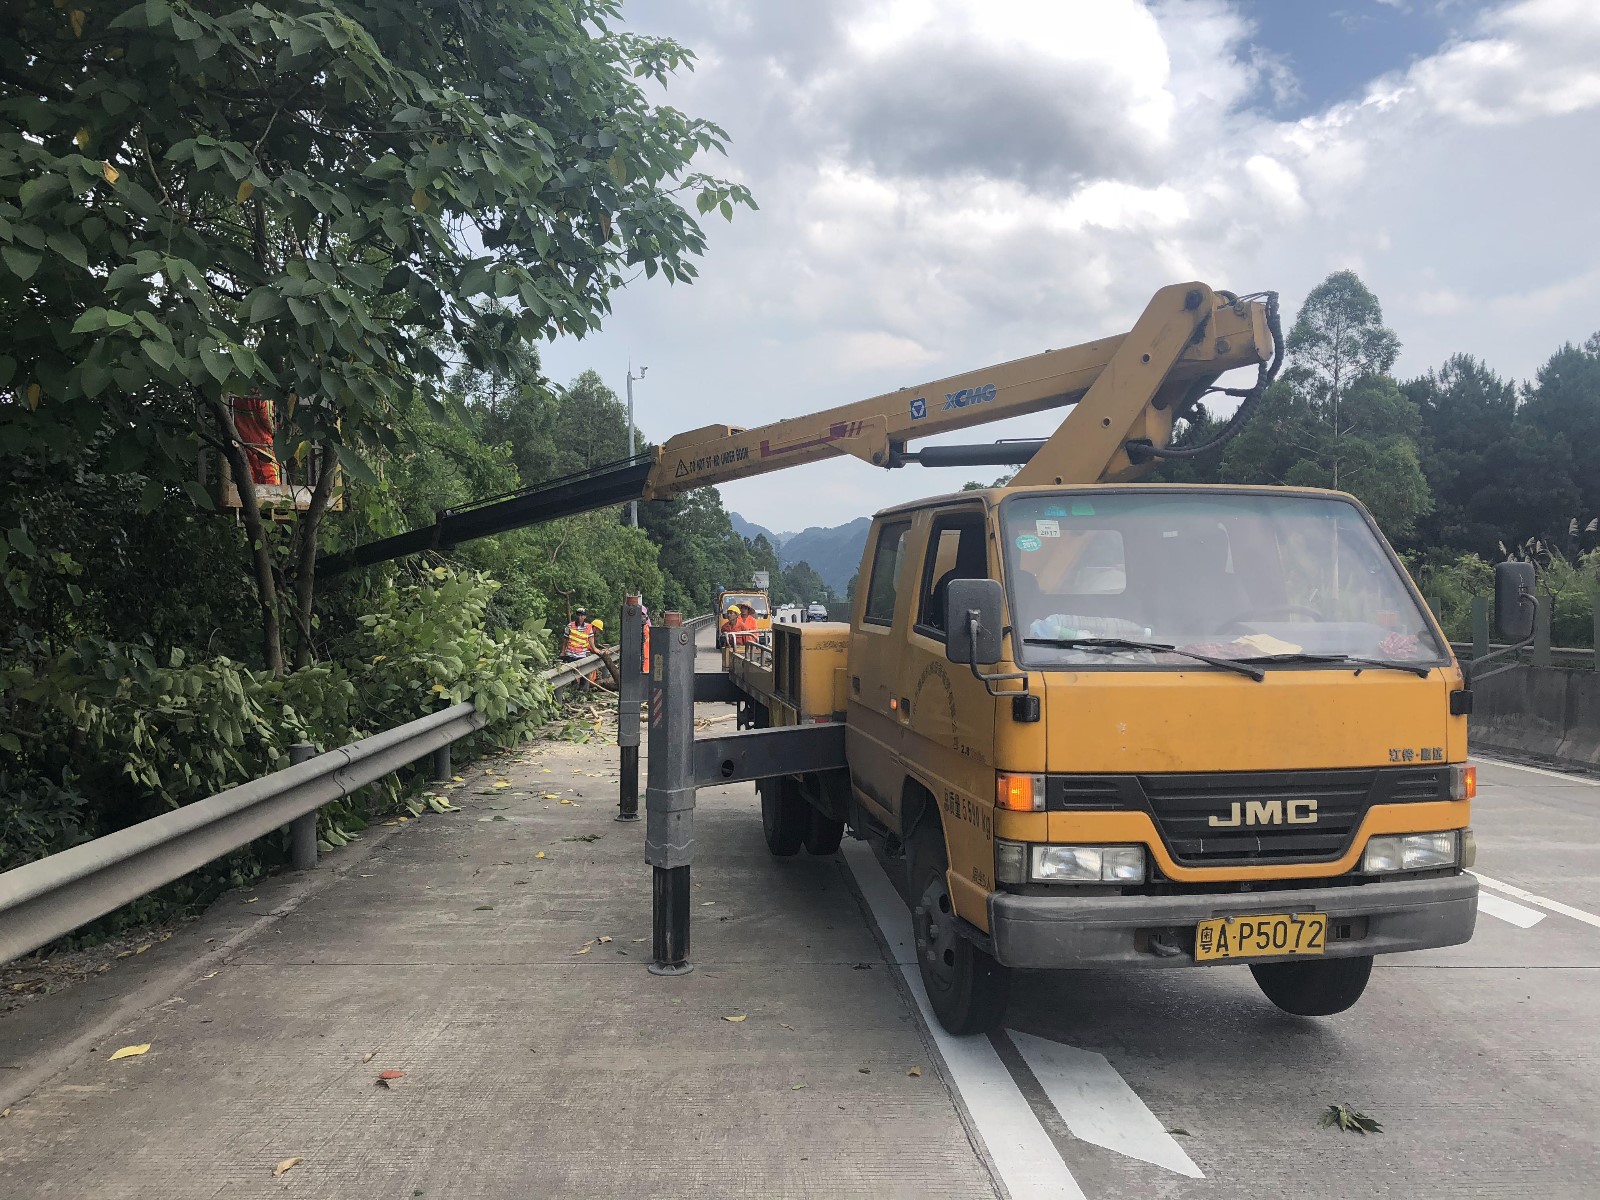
pixel 855 684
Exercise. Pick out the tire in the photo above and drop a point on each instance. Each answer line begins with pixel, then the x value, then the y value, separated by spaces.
pixel 967 988
pixel 784 816
pixel 1314 989
pixel 823 833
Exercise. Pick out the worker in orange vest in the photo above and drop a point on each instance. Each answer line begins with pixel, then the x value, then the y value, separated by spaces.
pixel 744 626
pixel 579 638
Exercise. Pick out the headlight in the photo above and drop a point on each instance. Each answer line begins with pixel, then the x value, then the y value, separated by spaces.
pixel 1086 864
pixel 1411 852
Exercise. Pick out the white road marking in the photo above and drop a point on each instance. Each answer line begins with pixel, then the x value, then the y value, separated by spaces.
pixel 1565 778
pixel 1555 906
pixel 1519 915
pixel 1098 1105
pixel 1023 1153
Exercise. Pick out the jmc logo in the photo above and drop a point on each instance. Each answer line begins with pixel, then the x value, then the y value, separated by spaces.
pixel 1267 812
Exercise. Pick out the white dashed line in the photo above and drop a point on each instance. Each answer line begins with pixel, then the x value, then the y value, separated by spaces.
pixel 1555 906
pixel 1098 1105
pixel 1565 778
pixel 1023 1154
pixel 1517 914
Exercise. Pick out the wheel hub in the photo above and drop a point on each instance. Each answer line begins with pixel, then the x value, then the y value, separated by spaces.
pixel 936 933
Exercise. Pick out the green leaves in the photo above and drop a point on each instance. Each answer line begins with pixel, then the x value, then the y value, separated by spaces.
pixel 21 263
pixel 1349 1120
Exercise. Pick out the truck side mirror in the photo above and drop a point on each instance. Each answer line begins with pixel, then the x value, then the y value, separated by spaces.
pixel 972 621
pixel 1514 601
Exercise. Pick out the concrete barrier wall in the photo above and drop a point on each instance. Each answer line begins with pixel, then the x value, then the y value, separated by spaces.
pixel 1548 713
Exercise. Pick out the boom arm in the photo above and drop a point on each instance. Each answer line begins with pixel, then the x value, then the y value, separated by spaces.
pixel 1127 390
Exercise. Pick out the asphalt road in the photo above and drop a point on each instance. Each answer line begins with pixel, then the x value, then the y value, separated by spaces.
pixel 494 956
pixel 1479 1061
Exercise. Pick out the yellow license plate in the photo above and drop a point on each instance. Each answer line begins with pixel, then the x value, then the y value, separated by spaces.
pixel 1260 936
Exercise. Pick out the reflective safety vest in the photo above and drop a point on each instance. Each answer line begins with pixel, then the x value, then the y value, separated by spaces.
pixel 580 639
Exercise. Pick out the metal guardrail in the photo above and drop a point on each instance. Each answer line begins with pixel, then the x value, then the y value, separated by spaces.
pixel 1573 658
pixel 47 899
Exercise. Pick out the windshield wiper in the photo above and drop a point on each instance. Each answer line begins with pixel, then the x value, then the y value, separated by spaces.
pixel 1240 666
pixel 1302 657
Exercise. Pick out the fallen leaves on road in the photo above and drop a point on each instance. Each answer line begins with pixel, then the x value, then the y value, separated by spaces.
pixel 142 949
pixel 915 1072
pixel 369 1056
pixel 519 882
pixel 583 837
pixel 734 1020
pixel 387 1078
pixel 131 1052
pixel 483 908
pixel 798 1087
pixel 287 1164
pixel 4 1113
pixel 603 940
pixel 790 1028
pixel 500 783
pixel 587 946
pixel 1350 1120
pixel 146 946
pixel 540 854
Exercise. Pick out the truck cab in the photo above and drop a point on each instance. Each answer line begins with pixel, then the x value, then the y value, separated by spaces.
pixel 1157 726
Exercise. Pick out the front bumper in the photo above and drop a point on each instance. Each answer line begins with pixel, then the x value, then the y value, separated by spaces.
pixel 1100 931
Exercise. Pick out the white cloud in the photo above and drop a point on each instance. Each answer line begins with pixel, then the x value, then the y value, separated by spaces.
pixel 946 183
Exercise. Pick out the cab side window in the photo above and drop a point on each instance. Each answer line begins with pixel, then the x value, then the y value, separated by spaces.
pixel 955 551
pixel 886 556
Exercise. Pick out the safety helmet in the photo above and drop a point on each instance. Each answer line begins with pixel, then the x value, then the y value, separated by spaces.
pixel 733 608
pixel 598 623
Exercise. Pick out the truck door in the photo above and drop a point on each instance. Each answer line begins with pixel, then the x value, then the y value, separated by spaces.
pixel 872 731
pixel 946 715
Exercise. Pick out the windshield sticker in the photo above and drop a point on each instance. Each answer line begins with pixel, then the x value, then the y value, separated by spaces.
pixel 1047 528
pixel 1026 541
pixel 1082 508
pixel 1055 510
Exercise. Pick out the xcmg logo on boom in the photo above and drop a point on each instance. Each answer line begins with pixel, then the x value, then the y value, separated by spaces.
pixel 967 397
pixel 1267 812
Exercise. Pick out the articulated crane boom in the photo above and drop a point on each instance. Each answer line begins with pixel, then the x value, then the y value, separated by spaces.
pixel 1126 391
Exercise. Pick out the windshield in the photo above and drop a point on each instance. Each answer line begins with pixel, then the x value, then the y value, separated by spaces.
pixel 754 599
pixel 1233 575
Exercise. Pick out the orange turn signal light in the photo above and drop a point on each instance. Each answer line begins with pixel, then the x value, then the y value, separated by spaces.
pixel 1020 793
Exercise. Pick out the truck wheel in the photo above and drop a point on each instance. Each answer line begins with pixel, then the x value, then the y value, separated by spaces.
pixel 823 833
pixel 1314 989
pixel 967 988
pixel 784 815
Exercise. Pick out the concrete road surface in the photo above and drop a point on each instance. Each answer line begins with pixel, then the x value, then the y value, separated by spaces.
pixel 496 957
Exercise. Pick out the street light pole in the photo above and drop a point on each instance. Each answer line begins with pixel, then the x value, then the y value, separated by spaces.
pixel 633 505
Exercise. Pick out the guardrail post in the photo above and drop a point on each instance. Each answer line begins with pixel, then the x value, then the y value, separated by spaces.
pixel 630 694
pixel 1480 627
pixel 1597 633
pixel 303 830
pixel 670 792
pixel 1541 632
pixel 441 764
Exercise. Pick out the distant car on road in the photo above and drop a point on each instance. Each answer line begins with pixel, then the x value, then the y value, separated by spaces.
pixel 816 612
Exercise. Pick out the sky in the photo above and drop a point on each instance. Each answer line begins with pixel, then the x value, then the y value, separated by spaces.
pixel 946 184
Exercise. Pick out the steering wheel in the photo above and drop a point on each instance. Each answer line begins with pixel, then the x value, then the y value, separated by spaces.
pixel 1283 610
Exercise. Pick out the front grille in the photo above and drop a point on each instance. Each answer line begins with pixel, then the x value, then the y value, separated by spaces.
pixel 1185 805
pixel 1253 807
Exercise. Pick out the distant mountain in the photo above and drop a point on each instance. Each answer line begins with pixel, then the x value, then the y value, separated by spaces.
pixel 835 553
pixel 749 529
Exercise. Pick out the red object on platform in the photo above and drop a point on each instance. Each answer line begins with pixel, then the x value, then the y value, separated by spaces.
pixel 253 417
